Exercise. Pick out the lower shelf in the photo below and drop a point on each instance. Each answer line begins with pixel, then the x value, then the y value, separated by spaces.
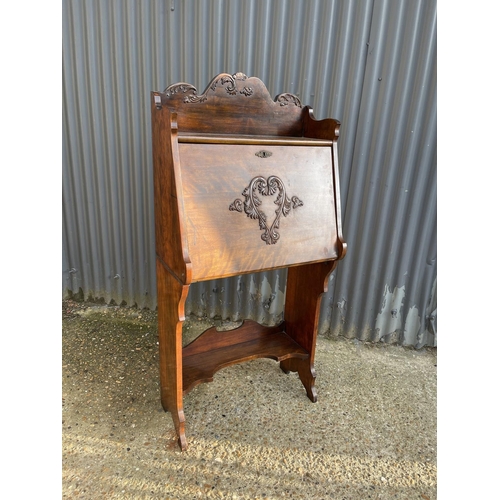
pixel 214 350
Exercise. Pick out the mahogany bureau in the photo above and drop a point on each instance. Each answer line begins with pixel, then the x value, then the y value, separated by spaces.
pixel 242 183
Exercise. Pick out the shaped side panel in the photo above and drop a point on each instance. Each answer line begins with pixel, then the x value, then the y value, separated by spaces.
pixel 171 242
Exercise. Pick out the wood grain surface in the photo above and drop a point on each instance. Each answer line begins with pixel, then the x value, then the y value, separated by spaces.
pixel 243 183
pixel 222 242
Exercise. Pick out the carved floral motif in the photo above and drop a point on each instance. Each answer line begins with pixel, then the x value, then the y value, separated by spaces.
pixel 179 87
pixel 229 82
pixel 266 187
pixel 225 79
pixel 285 99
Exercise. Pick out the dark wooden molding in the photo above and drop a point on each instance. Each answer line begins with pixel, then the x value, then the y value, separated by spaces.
pixel 231 86
pixel 229 97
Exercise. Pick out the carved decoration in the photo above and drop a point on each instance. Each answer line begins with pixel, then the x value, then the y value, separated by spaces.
pixel 224 79
pixel 248 91
pixel 230 83
pixel 266 187
pixel 179 87
pixel 286 99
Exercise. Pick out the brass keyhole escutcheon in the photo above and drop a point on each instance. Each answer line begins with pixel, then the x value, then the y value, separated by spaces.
pixel 263 154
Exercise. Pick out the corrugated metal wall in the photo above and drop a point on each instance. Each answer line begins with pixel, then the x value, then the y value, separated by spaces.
pixel 371 64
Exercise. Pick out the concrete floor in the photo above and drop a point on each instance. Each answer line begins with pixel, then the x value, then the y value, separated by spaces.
pixel 252 433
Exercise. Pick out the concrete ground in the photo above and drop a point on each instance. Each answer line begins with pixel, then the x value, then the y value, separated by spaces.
pixel 252 433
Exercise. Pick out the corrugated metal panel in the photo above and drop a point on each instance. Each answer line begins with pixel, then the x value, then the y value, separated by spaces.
pixel 386 290
pixel 369 64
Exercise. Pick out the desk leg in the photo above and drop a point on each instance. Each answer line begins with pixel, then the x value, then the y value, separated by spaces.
pixel 305 286
pixel 171 299
pixel 307 374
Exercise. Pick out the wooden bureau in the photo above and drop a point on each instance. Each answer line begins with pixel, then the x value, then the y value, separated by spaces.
pixel 242 183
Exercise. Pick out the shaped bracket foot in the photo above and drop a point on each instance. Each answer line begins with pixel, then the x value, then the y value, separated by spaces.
pixel 306 372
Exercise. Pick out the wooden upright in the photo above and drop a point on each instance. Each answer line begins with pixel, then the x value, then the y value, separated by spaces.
pixel 243 183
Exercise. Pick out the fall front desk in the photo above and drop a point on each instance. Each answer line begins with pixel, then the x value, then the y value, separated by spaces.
pixel 242 183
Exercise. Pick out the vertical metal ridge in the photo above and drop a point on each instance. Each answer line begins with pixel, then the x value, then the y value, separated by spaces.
pixel 380 227
pixel 388 208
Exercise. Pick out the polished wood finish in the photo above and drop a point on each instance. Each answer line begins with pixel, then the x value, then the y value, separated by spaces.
pixel 172 296
pixel 224 242
pixel 260 140
pixel 243 183
pixel 214 350
pixel 305 286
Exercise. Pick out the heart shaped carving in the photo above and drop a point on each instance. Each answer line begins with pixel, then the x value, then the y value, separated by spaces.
pixel 266 187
